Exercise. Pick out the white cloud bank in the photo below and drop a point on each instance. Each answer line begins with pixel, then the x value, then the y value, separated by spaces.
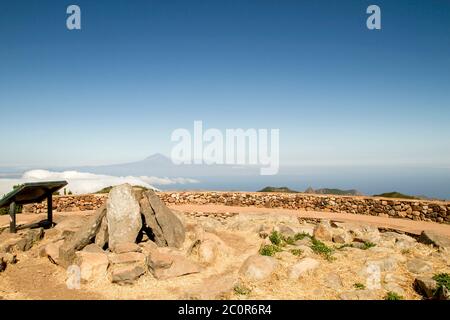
pixel 85 182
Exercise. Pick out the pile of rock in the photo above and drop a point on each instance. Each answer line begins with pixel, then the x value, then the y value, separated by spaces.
pixel 71 203
pixel 132 234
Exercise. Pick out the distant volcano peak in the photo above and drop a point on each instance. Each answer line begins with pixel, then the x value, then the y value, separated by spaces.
pixel 158 157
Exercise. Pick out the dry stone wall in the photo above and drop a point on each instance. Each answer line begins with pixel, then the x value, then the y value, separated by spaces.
pixel 398 208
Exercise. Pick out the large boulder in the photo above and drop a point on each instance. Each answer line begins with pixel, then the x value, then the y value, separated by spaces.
pixel 302 267
pixel 93 266
pixel 419 266
pixel 323 231
pixel 439 241
pixel 51 251
pixel 258 267
pixel 123 214
pixel 171 227
pixel 165 264
pixel 81 238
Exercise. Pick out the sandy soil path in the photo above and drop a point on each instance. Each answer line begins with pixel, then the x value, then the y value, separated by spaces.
pixel 406 225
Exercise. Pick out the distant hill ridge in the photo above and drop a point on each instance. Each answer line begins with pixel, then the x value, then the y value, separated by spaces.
pixel 312 191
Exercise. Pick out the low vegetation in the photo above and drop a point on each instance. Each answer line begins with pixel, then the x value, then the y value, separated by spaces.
pixel 359 286
pixel 442 280
pixel 296 252
pixel 278 189
pixel 393 296
pixel 321 248
pixel 269 250
pixel 242 290
pixel 394 194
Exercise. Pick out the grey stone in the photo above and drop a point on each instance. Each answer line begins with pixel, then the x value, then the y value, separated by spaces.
pixel 440 241
pixel 258 267
pixel 123 214
pixel 171 226
pixel 418 266
pixel 333 280
pixel 426 286
pixel 101 239
pixel 302 267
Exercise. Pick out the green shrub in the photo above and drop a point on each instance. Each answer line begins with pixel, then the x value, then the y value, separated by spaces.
pixel 269 250
pixel 442 280
pixel 367 245
pixel 275 238
pixel 242 290
pixel 359 286
pixel 296 252
pixel 301 236
pixel 393 296
pixel 321 248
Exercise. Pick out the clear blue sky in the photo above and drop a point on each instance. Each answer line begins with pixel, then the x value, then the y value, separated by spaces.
pixel 114 91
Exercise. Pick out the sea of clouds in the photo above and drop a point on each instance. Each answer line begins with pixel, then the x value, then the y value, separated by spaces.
pixel 85 182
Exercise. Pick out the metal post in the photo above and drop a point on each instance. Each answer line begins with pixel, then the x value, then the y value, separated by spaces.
pixel 50 209
pixel 12 217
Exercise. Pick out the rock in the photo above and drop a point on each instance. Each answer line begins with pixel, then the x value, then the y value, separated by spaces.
pixel 123 214
pixel 3 264
pixel 126 274
pixel 426 286
pixel 404 245
pixel 285 230
pixel 303 242
pixel 127 258
pixel 23 240
pixel 151 223
pixel 385 264
pixel 101 239
pixel 302 267
pixel 9 258
pixel 68 227
pixel 93 248
pixel 147 247
pixel 93 266
pixel 392 277
pixel 342 236
pixel 258 267
pixel 323 231
pixel 208 248
pixel 306 251
pixel 51 251
pixel 127 247
pixel 395 288
pixel 359 295
pixel 166 264
pixel 81 238
pixel 215 287
pixel 333 280
pixel 172 228
pixel 439 241
pixel 418 266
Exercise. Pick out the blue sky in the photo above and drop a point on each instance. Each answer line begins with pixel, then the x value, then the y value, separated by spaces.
pixel 114 91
